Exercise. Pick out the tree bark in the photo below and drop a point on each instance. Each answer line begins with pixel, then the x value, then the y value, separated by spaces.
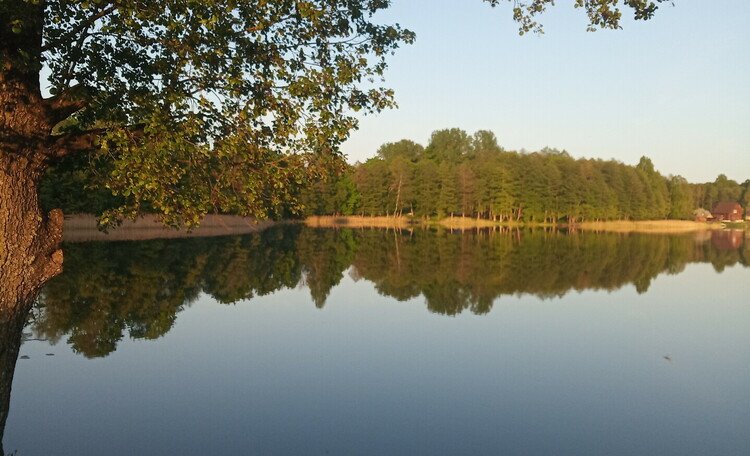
pixel 29 240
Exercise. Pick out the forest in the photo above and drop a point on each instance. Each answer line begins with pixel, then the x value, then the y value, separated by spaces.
pixel 458 174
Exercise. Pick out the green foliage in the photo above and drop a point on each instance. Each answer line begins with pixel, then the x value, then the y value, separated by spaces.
pixel 335 195
pixel 448 203
pixel 680 204
pixel 217 106
pixel 604 14
pixel 75 187
pixel 451 145
pixel 427 188
pixel 473 176
pixel 210 106
pixel 723 189
pixel 372 180
pixel 221 106
pixel 405 148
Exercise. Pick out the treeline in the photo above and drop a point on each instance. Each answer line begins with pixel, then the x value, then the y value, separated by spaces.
pixel 472 176
pixel 455 175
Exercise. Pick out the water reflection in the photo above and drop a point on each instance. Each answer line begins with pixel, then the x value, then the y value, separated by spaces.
pixel 727 239
pixel 11 330
pixel 110 289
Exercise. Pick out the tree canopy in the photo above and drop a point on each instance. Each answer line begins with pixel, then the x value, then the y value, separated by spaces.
pixel 204 105
pixel 199 106
pixel 460 174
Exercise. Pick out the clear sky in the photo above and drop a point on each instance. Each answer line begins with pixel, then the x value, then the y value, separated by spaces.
pixel 675 88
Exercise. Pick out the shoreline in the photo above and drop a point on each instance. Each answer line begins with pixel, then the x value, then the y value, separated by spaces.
pixel 467 223
pixel 83 228
pixel 651 226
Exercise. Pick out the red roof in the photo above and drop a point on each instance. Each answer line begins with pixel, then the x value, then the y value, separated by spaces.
pixel 727 208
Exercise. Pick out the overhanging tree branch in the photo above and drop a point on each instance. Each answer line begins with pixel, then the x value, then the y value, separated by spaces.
pixel 70 143
pixel 80 28
pixel 66 103
pixel 82 141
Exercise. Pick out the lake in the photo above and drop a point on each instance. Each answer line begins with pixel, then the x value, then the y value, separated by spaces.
pixel 371 342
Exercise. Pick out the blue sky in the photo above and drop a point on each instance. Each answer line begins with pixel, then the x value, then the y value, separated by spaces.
pixel 676 88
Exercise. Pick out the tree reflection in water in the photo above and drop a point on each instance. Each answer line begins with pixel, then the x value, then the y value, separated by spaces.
pixel 112 288
pixel 109 289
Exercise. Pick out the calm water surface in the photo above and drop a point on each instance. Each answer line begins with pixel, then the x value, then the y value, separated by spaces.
pixel 301 341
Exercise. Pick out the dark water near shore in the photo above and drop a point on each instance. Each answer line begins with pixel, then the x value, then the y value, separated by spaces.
pixel 372 342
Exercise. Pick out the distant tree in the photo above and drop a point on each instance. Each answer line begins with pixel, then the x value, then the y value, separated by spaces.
pixel 405 148
pixel 448 203
pixel 348 199
pixel 401 184
pixel 485 142
pixel 337 194
pixel 657 195
pixel 373 182
pixel 614 175
pixel 745 198
pixel 553 186
pixel 638 208
pixel 450 145
pixel 467 189
pixel 681 205
pixel 426 188
pixel 726 189
pixel 534 189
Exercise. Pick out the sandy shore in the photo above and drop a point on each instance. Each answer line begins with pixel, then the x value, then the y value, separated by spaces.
pixel 82 228
pixel 650 226
pixel 357 221
pixel 470 223
pixel 461 223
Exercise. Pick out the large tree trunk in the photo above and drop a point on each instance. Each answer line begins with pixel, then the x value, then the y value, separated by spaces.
pixel 29 240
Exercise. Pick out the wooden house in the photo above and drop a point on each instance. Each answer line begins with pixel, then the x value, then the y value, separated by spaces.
pixel 702 215
pixel 727 212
